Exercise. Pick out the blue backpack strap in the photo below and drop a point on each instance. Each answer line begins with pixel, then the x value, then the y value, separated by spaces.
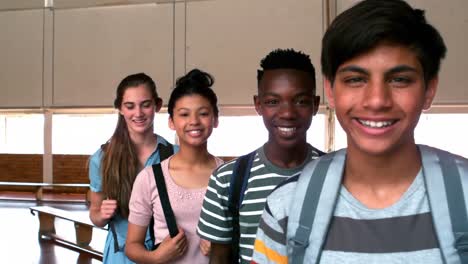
pixel 456 204
pixel 237 186
pixel 447 201
pixel 317 188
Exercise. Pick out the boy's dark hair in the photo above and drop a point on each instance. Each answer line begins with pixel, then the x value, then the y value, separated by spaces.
pixel 196 82
pixel 286 59
pixel 372 22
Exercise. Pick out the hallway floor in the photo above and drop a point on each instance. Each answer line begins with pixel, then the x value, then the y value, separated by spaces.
pixel 19 235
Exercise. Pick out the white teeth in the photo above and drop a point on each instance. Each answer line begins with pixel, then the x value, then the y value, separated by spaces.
pixel 376 124
pixel 287 129
pixel 194 132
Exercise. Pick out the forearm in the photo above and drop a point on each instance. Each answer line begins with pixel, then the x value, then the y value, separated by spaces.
pixel 138 253
pixel 95 210
pixel 220 253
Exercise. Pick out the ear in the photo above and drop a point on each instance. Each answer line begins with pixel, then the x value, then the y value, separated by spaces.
pixel 158 105
pixel 430 92
pixel 329 93
pixel 216 122
pixel 171 123
pixel 257 104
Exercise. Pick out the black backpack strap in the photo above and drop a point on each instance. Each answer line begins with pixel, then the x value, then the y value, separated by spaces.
pixel 114 235
pixel 165 203
pixel 165 151
pixel 238 183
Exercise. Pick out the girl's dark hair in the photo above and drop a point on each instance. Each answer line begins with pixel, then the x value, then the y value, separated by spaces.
pixel 119 164
pixel 195 82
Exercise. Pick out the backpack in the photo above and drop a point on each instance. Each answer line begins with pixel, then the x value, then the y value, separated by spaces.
pixel 238 183
pixel 165 151
pixel 319 185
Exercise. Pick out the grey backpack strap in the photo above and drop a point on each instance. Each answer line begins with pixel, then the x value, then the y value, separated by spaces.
pixel 445 187
pixel 456 204
pixel 312 204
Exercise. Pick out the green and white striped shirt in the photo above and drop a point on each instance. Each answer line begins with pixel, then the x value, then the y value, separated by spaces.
pixel 215 219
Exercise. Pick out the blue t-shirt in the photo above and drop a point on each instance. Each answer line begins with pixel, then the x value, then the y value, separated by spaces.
pixel 120 223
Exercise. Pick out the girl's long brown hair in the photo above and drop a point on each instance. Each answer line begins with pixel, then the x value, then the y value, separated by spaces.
pixel 119 164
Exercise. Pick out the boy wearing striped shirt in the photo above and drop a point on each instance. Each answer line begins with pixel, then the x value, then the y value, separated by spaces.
pixel 287 102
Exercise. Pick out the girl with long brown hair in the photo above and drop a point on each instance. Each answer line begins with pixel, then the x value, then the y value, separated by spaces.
pixel 113 168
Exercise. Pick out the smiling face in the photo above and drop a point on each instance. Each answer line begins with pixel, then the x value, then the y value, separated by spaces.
pixel 378 98
pixel 138 108
pixel 193 120
pixel 287 103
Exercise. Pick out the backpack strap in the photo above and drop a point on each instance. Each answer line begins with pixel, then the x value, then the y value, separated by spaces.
pixel 441 168
pixel 114 235
pixel 317 188
pixel 165 151
pixel 237 186
pixel 165 203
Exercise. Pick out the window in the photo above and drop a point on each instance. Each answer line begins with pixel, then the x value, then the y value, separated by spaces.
pixel 239 135
pixel 85 133
pixel 445 131
pixel 22 133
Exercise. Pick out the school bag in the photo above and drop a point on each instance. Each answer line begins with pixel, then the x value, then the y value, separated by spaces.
pixel 165 151
pixel 238 183
pixel 318 188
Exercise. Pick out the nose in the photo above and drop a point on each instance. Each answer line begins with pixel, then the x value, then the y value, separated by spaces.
pixel 194 119
pixel 378 95
pixel 287 110
pixel 139 111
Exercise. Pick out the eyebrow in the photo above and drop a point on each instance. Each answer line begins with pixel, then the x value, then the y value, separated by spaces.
pixel 132 103
pixel 397 69
pixel 296 95
pixel 353 68
pixel 401 68
pixel 188 109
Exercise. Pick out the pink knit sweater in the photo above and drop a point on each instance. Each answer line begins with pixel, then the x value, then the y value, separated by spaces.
pixel 186 204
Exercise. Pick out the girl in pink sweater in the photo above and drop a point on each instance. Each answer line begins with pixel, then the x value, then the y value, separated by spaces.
pixel 193 113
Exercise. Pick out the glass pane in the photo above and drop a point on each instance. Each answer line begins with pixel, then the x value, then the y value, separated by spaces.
pixel 2 133
pixel 22 134
pixel 316 133
pixel 81 133
pixel 445 131
pixel 340 136
pixel 239 135
pixel 85 133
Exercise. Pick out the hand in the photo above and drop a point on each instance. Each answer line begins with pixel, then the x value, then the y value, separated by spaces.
pixel 108 208
pixel 172 248
pixel 205 247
